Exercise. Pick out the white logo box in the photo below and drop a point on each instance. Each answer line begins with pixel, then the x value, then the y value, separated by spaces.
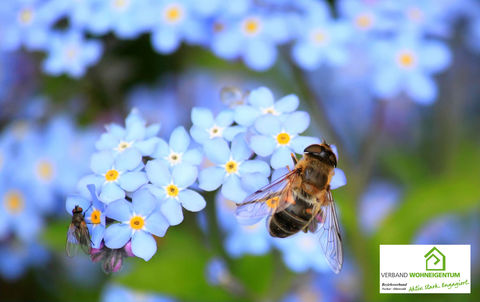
pixel 418 268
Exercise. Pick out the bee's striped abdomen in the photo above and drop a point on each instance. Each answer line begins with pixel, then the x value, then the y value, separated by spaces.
pixel 292 219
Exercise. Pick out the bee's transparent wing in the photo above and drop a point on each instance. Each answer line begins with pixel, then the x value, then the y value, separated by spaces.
pixel 267 200
pixel 326 228
pixel 72 246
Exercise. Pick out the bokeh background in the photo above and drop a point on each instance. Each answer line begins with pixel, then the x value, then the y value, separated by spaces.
pixel 393 84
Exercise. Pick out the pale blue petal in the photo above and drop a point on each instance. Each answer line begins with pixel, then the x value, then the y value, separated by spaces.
pixel 226 45
pixel 191 200
pixel 162 149
pixel 232 189
pixel 263 145
pixel 156 224
pixel 96 180
pixel 158 172
pixel 255 166
pixel 261 98
pixel 165 41
pixel 136 131
pixel 193 157
pixel 101 162
pixel 299 143
pixel 280 172
pixel 179 140
pixel 143 245
pixel 110 192
pixel 143 202
pixel 260 54
pixel 386 82
pixel 217 150
pixel 76 201
pixel 240 149
pixel 230 132
pixel 297 122
pixel 128 159
pixel 287 104
pixel 200 135
pixel 338 180
pixel 421 88
pixel 281 158
pixel 246 115
pixel 116 130
pixel 172 210
pixel 202 117
pixel 148 146
pixel 117 235
pixel 107 141
pixel 134 118
pixel 184 175
pixel 211 178
pixel 120 210
pixel 153 130
pixel 268 125
pixel 251 182
pixel 97 235
pixel 306 56
pixel 131 181
pixel 224 118
pixel 434 56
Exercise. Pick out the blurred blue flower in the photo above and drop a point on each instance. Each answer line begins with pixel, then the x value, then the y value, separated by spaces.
pixel 407 64
pixel 173 21
pixel 261 102
pixel 206 127
pixel 27 23
pixel 237 175
pixel 68 52
pixel 378 201
pixel 135 136
pixel 320 39
pixel 176 151
pixel 19 215
pixel 139 220
pixel 115 175
pixel 217 271
pixel 115 293
pixel 366 17
pixel 240 239
pixel 171 189
pixel 253 37
pixel 94 211
pixel 302 252
pixel 16 257
pixel 280 137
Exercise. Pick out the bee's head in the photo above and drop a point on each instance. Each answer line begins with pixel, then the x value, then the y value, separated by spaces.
pixel 77 209
pixel 322 152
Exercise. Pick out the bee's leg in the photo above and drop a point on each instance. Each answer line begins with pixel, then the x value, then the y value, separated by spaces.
pixel 293 158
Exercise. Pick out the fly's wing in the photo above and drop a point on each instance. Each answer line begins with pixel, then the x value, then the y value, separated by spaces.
pixel 267 200
pixel 326 228
pixel 72 246
pixel 83 238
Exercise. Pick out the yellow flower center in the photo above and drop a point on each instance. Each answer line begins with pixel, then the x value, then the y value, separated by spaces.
pixel 71 52
pixel 14 201
pixel 173 13
pixel 172 190
pixel 45 170
pixel 272 202
pixel 251 26
pixel 319 36
pixel 270 110
pixel 26 16
pixel 216 131
pixel 111 175
pixel 123 145
pixel 406 59
pixel 364 21
pixel 415 14
pixel 231 167
pixel 283 138
pixel 137 222
pixel 95 217
pixel 218 27
pixel 120 5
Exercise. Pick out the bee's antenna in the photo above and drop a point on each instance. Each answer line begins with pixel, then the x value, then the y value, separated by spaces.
pixel 324 141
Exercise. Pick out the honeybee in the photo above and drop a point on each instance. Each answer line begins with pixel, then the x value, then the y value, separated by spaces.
pixel 301 200
pixel 78 234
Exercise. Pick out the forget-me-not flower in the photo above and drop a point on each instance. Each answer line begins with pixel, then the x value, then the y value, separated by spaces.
pixel 139 220
pixel 176 151
pixel 70 53
pixel 172 189
pixel 206 127
pixel 237 175
pixel 261 101
pixel 280 137
pixel 115 175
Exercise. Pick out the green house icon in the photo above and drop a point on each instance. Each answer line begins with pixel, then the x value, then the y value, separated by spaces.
pixel 434 260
